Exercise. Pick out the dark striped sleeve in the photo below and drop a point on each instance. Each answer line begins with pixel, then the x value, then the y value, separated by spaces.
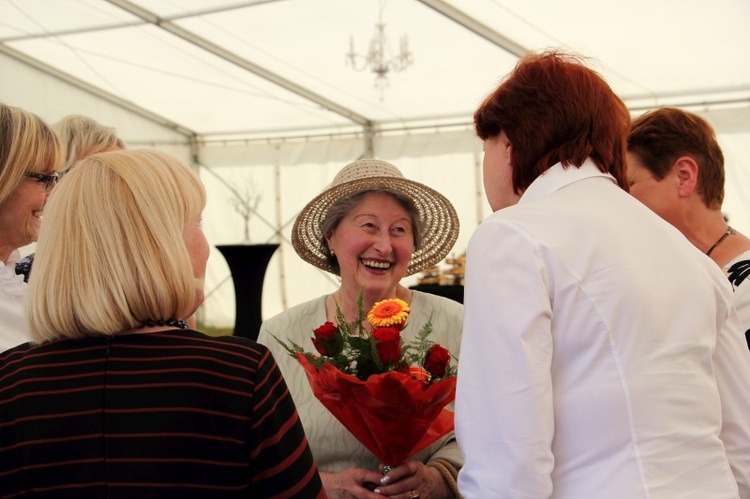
pixel 282 461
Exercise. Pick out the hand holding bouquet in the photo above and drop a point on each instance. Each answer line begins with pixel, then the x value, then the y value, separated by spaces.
pixel 389 394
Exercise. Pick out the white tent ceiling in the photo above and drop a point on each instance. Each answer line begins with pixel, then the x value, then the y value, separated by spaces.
pixel 229 84
pixel 221 67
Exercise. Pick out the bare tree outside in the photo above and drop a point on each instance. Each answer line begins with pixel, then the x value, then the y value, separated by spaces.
pixel 244 200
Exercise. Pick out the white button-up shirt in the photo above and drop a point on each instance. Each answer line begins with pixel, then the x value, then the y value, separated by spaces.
pixel 601 356
pixel 12 292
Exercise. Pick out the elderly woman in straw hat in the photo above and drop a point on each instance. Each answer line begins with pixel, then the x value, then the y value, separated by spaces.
pixel 30 152
pixel 115 397
pixel 372 227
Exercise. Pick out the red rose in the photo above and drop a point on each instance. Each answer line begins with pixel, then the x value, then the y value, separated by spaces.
pixel 388 344
pixel 324 339
pixel 437 360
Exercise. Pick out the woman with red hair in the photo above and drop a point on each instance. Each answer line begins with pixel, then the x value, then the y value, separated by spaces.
pixel 601 355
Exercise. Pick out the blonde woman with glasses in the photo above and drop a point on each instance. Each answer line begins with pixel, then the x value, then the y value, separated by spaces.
pixel 30 154
pixel 81 136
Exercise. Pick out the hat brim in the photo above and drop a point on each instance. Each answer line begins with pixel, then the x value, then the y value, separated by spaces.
pixel 439 218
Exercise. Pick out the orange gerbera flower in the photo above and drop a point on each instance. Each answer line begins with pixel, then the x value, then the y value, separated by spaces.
pixel 390 312
pixel 419 374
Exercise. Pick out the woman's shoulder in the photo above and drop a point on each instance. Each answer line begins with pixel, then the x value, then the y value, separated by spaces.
pixel 429 301
pixel 437 309
pixel 303 318
pixel 446 316
pixel 308 308
pixel 236 345
pixel 738 269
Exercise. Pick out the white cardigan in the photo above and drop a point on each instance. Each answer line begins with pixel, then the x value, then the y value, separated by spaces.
pixel 333 447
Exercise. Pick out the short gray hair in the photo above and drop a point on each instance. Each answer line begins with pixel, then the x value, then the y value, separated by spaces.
pixel 341 208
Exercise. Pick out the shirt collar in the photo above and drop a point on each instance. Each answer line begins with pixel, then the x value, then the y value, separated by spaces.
pixel 557 177
pixel 15 255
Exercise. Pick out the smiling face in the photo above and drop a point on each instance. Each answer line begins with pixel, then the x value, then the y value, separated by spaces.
pixel 21 215
pixel 373 245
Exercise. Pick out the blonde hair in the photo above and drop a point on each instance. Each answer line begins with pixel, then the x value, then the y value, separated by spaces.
pixel 27 144
pixel 111 252
pixel 82 136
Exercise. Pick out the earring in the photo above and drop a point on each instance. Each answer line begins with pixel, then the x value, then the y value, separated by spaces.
pixel 333 253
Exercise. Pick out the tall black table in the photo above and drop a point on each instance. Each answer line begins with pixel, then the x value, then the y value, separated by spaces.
pixel 248 263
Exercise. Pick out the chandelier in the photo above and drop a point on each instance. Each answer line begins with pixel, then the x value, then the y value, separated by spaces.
pixel 379 58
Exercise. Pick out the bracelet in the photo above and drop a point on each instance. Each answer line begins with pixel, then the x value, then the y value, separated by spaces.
pixel 449 473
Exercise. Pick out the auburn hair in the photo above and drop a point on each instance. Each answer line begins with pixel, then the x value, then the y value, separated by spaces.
pixel 661 136
pixel 554 109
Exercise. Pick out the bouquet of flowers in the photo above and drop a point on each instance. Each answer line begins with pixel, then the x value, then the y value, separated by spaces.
pixel 390 394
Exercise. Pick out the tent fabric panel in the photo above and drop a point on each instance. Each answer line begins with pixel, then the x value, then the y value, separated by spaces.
pixel 50 98
pixel 40 17
pixel 179 81
pixel 313 53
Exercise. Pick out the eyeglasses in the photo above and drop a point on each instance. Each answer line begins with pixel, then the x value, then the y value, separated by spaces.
pixel 48 179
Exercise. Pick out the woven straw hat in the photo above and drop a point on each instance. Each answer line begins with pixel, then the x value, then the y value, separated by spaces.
pixel 440 222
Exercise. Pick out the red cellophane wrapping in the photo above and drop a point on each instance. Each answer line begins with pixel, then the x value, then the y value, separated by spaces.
pixel 391 414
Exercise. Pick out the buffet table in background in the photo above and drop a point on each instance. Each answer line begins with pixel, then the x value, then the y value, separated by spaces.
pixel 455 293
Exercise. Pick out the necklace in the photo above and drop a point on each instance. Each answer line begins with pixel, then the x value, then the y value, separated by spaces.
pixel 728 233
pixel 164 322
